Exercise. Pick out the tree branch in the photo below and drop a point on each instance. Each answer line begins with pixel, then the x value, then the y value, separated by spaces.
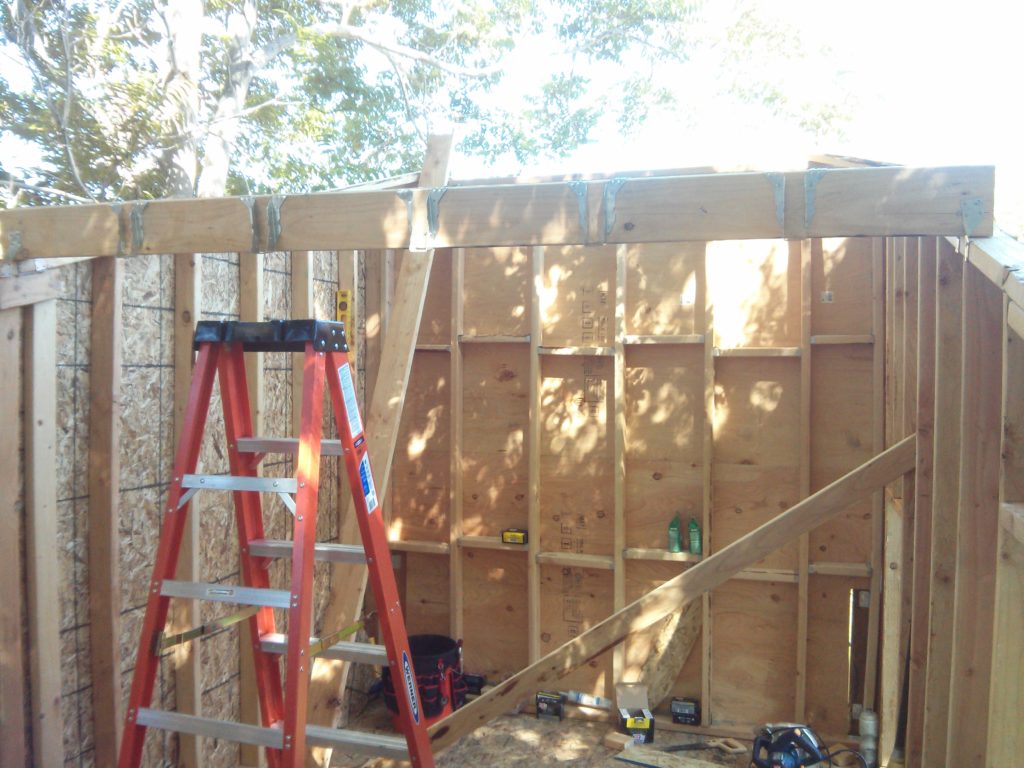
pixel 13 182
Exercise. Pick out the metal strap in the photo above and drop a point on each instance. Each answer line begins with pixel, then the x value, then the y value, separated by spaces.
pixel 972 212
pixel 611 189
pixel 165 641
pixel 811 179
pixel 324 643
pixel 778 182
pixel 138 225
pixel 434 210
pixel 274 221
pixel 580 188
pixel 250 203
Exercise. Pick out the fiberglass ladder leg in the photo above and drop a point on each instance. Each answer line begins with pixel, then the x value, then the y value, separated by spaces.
pixel 283 705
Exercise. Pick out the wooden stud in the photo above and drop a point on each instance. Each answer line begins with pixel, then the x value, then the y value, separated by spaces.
pixel 619 457
pixel 250 309
pixel 879 305
pixel 948 291
pixel 977 529
pixel 13 748
pixel 455 531
pixel 188 296
pixel 707 479
pixel 806 250
pixel 680 590
pixel 104 505
pixel 302 307
pixel 533 454
pixel 26 289
pixel 923 500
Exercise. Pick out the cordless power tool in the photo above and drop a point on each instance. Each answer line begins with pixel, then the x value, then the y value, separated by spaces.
pixel 787 745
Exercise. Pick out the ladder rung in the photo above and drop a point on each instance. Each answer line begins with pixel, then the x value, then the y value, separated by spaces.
pixel 365 743
pixel 345 650
pixel 226 593
pixel 316 736
pixel 242 733
pixel 236 483
pixel 284 445
pixel 331 553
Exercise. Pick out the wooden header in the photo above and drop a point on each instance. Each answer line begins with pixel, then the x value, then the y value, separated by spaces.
pixel 794 205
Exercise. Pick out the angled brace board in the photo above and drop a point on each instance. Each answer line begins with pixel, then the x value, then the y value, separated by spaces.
pixel 681 590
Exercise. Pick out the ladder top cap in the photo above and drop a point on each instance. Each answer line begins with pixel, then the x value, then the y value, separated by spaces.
pixel 273 335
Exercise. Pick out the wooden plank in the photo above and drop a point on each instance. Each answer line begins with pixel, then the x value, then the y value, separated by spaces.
pixel 104 505
pixel 250 309
pixel 619 455
pixel 680 590
pixel 948 291
pixel 708 542
pixel 348 583
pixel 923 500
pixel 420 547
pixel 857 201
pixel 26 289
pixel 188 295
pixel 303 306
pixel 455 485
pixel 577 560
pixel 13 747
pixel 977 529
pixel 844 338
pixel 533 454
pixel 879 319
pixel 758 352
pixel 646 553
pixel 806 250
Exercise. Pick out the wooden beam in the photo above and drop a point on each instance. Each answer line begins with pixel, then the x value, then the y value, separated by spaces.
pixel 978 524
pixel 922 539
pixel 188 295
pixel 455 531
pixel 250 309
pixel 681 590
pixel 13 747
pixel 845 201
pixel 533 456
pixel 805 251
pixel 706 481
pixel 619 459
pixel 948 290
pixel 26 289
pixel 348 583
pixel 104 505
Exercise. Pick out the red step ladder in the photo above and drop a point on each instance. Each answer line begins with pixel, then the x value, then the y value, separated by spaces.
pixel 283 705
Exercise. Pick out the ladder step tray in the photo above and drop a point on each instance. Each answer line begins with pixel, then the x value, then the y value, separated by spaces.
pixel 226 593
pixel 243 733
pixel 344 650
pixel 331 553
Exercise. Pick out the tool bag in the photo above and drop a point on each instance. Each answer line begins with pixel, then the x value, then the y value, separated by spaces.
pixel 437 660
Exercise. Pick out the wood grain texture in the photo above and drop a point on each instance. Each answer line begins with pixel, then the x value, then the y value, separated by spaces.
pixel 104 504
pixel 679 591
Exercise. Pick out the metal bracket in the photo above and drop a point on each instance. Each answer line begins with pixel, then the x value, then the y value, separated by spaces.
pixel 13 244
pixel 138 225
pixel 778 182
pixel 118 209
pixel 250 203
pixel 405 195
pixel 611 189
pixel 580 188
pixel 274 221
pixel 434 210
pixel 972 212
pixel 811 179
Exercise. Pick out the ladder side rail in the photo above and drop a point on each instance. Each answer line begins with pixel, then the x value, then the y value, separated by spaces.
pixel 298 664
pixel 172 530
pixel 378 558
pixel 249 523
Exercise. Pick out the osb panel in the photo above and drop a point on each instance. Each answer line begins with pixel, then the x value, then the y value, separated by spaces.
pixel 577 296
pixel 664 410
pixel 496 292
pixel 426 594
pixel 495 613
pixel 496 412
pixel 756 448
pixel 841 286
pixel 571 601
pixel 641 578
pixel 753 658
pixel 422 464
pixel 576 484
pixel 220 286
pixel 841 439
pixel 828 662
pixel 754 287
pixel 665 289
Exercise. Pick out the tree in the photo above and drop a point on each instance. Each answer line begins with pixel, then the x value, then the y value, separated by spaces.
pixel 147 98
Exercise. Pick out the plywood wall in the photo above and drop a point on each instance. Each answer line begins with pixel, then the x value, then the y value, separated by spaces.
pixel 747 381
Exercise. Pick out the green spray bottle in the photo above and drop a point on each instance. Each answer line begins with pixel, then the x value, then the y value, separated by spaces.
pixel 675 539
pixel 694 528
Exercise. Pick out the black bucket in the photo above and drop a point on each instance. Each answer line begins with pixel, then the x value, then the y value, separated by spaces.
pixel 437 660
